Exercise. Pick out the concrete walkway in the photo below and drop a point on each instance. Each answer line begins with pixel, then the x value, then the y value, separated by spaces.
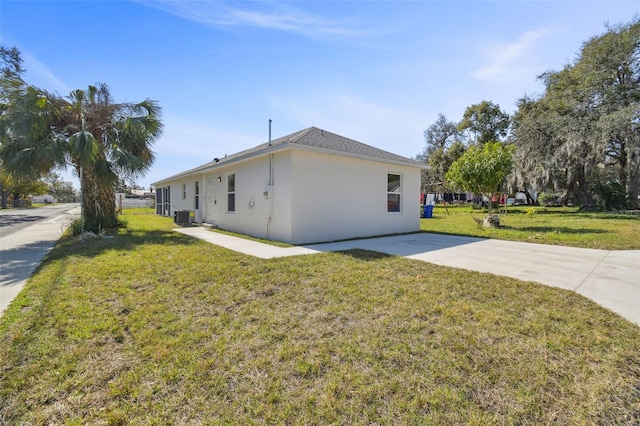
pixel 22 252
pixel 610 278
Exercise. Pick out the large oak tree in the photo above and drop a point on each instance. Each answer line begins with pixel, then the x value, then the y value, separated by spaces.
pixel 485 121
pixel 582 136
pixel 444 145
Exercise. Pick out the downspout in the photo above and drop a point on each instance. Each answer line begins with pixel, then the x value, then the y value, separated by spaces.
pixel 270 193
pixel 270 185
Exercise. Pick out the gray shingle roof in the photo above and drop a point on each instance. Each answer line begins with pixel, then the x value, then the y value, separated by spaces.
pixel 316 139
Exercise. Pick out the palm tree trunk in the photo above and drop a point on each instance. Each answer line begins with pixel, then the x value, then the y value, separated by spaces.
pixel 99 205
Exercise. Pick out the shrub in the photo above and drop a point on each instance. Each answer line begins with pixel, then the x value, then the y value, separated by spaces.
pixel 21 203
pixel 610 196
pixel 76 226
pixel 550 199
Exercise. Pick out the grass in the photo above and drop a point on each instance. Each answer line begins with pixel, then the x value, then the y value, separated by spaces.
pixel 559 226
pixel 247 237
pixel 138 210
pixel 153 327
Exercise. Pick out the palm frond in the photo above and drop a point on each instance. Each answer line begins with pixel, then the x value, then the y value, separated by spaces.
pixel 29 148
pixel 128 164
pixel 84 147
pixel 104 173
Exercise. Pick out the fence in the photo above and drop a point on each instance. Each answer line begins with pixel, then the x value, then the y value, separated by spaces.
pixel 132 203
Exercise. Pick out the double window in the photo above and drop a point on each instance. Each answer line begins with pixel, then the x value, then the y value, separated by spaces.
pixel 231 192
pixel 394 190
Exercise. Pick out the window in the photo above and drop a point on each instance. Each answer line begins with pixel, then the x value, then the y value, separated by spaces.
pixel 393 193
pixel 231 193
pixel 184 191
pixel 197 197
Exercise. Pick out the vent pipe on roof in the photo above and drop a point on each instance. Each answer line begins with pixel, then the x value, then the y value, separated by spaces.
pixel 269 132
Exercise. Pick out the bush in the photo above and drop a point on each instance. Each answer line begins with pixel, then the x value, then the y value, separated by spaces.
pixel 76 226
pixel 21 203
pixel 610 196
pixel 550 199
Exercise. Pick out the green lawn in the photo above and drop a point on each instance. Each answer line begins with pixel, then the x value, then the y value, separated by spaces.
pixel 258 240
pixel 153 327
pixel 560 226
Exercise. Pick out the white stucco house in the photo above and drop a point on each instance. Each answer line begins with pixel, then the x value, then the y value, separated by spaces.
pixel 46 198
pixel 310 186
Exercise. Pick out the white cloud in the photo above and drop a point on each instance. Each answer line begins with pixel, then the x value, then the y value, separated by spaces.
pixel 268 15
pixel 511 60
pixel 42 76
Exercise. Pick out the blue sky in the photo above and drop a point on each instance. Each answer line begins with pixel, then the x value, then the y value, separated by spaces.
pixel 378 72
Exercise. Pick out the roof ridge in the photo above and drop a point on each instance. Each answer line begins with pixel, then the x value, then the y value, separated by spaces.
pixel 301 134
pixel 345 144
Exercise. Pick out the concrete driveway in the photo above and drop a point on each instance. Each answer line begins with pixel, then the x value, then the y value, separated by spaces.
pixel 610 278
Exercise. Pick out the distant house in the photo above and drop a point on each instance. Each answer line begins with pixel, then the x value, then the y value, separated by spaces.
pixel 43 199
pixel 141 193
pixel 310 186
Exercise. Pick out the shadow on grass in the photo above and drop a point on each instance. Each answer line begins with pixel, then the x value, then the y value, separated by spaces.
pixel 557 229
pixel 124 240
pixel 365 255
pixel 616 216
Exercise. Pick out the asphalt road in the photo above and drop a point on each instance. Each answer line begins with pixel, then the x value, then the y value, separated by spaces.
pixel 26 236
pixel 14 220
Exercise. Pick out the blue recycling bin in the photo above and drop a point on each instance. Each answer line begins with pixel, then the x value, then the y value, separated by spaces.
pixel 428 211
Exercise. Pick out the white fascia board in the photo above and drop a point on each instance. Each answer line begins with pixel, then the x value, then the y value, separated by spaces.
pixel 211 166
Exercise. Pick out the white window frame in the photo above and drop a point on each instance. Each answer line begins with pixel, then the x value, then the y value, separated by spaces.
pixel 397 192
pixel 231 193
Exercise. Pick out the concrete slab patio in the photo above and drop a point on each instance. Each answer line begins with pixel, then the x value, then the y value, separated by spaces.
pixel 610 278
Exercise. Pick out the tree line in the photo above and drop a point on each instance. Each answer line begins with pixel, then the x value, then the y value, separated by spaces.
pixel 18 191
pixel 102 141
pixel 579 140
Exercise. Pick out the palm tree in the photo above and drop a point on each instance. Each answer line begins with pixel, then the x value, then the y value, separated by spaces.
pixel 104 141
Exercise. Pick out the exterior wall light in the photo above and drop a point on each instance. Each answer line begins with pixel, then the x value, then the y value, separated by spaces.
pixel 219 179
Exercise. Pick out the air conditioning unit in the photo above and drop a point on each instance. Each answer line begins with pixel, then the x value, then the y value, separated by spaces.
pixel 182 217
